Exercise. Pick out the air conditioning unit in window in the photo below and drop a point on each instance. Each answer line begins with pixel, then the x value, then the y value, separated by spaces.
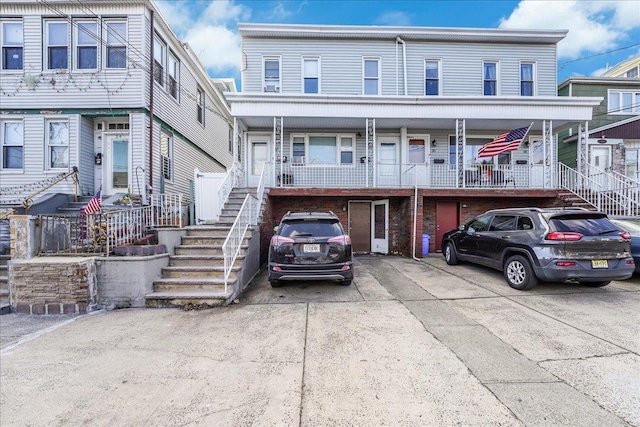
pixel 297 160
pixel 272 88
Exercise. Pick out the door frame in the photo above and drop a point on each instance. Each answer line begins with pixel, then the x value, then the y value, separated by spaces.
pixel 380 245
pixel 107 163
pixel 349 219
pixel 395 176
pixel 444 226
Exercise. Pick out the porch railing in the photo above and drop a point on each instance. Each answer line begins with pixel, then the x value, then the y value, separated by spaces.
pixel 234 176
pixel 233 243
pixel 168 210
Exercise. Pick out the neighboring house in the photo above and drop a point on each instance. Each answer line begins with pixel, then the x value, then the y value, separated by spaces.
pixel 614 131
pixel 104 86
pixel 383 124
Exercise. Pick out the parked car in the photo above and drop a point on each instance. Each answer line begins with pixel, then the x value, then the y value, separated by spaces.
pixel 547 244
pixel 632 225
pixel 310 246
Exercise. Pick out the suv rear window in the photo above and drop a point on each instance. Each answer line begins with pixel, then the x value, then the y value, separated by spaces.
pixel 310 228
pixel 584 226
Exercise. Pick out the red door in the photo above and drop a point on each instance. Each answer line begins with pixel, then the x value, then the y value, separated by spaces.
pixel 447 218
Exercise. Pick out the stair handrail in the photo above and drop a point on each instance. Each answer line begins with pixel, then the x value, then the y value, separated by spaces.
pixel 260 191
pixel 28 201
pixel 233 242
pixel 620 187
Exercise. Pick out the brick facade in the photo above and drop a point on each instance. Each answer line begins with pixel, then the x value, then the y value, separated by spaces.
pixel 54 285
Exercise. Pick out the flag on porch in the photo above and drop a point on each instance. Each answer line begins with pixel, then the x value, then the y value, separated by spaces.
pixel 94 205
pixel 505 142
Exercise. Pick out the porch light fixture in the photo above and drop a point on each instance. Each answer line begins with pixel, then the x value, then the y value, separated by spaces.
pixel 359 135
pixel 434 143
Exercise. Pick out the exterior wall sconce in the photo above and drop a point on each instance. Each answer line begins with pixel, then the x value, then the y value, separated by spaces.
pixel 526 143
pixel 344 208
pixel 359 135
pixel 434 143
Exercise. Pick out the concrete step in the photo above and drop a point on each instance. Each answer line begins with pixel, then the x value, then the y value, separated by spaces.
pixel 187 300
pixel 4 260
pixel 203 240
pixel 197 272
pixel 208 231
pixel 205 250
pixel 4 295
pixel 211 285
pixel 200 261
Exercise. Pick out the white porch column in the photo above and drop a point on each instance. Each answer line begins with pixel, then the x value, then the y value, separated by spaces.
pixel 583 137
pixel 548 154
pixel 371 140
pixel 461 143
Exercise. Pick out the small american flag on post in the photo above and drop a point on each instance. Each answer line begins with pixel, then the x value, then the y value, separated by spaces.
pixel 94 205
pixel 505 142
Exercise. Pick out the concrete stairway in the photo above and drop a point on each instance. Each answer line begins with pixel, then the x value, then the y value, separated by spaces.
pixel 75 207
pixel 5 306
pixel 195 275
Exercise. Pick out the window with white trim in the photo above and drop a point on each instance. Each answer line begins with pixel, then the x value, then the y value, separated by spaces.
pixel 311 75
pixel 116 49
pixel 159 58
pixel 173 75
pixel 201 105
pixel 632 73
pixel 271 74
pixel 57 45
pixel 490 78
pixel 323 149
pixel 57 144
pixel 431 77
pixel 86 39
pixel 527 80
pixel 166 155
pixel 12 45
pixel 298 150
pixel 371 76
pixel 12 144
pixel 346 150
pixel 623 102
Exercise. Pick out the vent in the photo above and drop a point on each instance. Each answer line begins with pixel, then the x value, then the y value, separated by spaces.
pixel 272 88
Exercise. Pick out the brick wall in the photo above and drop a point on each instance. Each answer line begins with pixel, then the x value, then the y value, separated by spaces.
pixel 53 285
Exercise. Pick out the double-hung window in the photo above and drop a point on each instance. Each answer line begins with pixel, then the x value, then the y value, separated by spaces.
pixel 346 150
pixel 371 76
pixel 201 104
pixel 166 155
pixel 431 77
pixel 12 45
pixel 298 150
pixel 86 37
pixel 57 41
pixel 311 75
pixel 173 74
pixel 623 102
pixel 116 50
pixel 272 74
pixel 526 79
pixel 159 57
pixel 12 144
pixel 490 78
pixel 57 144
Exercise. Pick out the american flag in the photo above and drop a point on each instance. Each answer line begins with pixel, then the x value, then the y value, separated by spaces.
pixel 94 205
pixel 505 142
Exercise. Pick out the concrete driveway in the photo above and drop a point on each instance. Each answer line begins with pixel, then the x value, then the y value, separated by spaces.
pixel 412 343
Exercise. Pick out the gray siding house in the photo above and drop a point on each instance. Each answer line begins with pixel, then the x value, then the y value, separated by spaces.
pixel 104 86
pixel 383 125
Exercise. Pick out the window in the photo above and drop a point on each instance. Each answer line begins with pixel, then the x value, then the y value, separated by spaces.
pixel 12 45
pixel 58 144
pixel 371 76
pixel 57 45
pixel 86 36
pixel 632 163
pixel 417 151
pixel 201 100
pixel 116 44
pixel 526 79
pixel 632 73
pixel 490 78
pixel 323 149
pixel 346 150
pixel 298 150
pixel 311 75
pixel 471 152
pixel 624 102
pixel 159 56
pixel 432 77
pixel 12 144
pixel 272 74
pixel 503 223
pixel 173 71
pixel 479 224
pixel 166 155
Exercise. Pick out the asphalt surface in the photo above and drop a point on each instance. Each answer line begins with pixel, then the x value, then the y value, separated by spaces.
pixel 411 343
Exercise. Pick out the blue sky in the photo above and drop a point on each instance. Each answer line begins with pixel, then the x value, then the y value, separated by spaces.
pixel 601 33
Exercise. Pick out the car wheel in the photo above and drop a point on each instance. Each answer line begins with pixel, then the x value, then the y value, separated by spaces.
pixel 450 254
pixel 275 283
pixel 344 282
pixel 596 284
pixel 519 274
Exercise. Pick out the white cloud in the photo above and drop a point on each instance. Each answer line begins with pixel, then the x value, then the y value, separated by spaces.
pixel 279 13
pixel 594 26
pixel 217 47
pixel 394 18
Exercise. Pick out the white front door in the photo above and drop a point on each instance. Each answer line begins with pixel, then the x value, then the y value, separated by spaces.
pixel 600 162
pixel 117 165
pixel 380 226
pixel 258 155
pixel 536 160
pixel 388 170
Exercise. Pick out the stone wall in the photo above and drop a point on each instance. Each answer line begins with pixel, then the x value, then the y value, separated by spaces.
pixel 54 285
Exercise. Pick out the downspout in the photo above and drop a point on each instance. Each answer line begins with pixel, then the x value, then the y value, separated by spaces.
pixel 151 104
pixel 415 216
pixel 404 64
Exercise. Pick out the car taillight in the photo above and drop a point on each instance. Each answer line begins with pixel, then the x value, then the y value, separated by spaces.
pixel 625 235
pixel 565 263
pixel 344 240
pixel 279 240
pixel 559 235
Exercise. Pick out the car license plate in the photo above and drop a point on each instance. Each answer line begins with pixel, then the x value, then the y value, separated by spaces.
pixel 311 248
pixel 599 263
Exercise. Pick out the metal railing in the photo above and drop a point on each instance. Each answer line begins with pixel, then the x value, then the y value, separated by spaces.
pixel 168 210
pixel 28 201
pixel 234 176
pixel 233 243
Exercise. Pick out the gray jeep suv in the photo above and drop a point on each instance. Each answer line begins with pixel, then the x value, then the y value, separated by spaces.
pixel 548 244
